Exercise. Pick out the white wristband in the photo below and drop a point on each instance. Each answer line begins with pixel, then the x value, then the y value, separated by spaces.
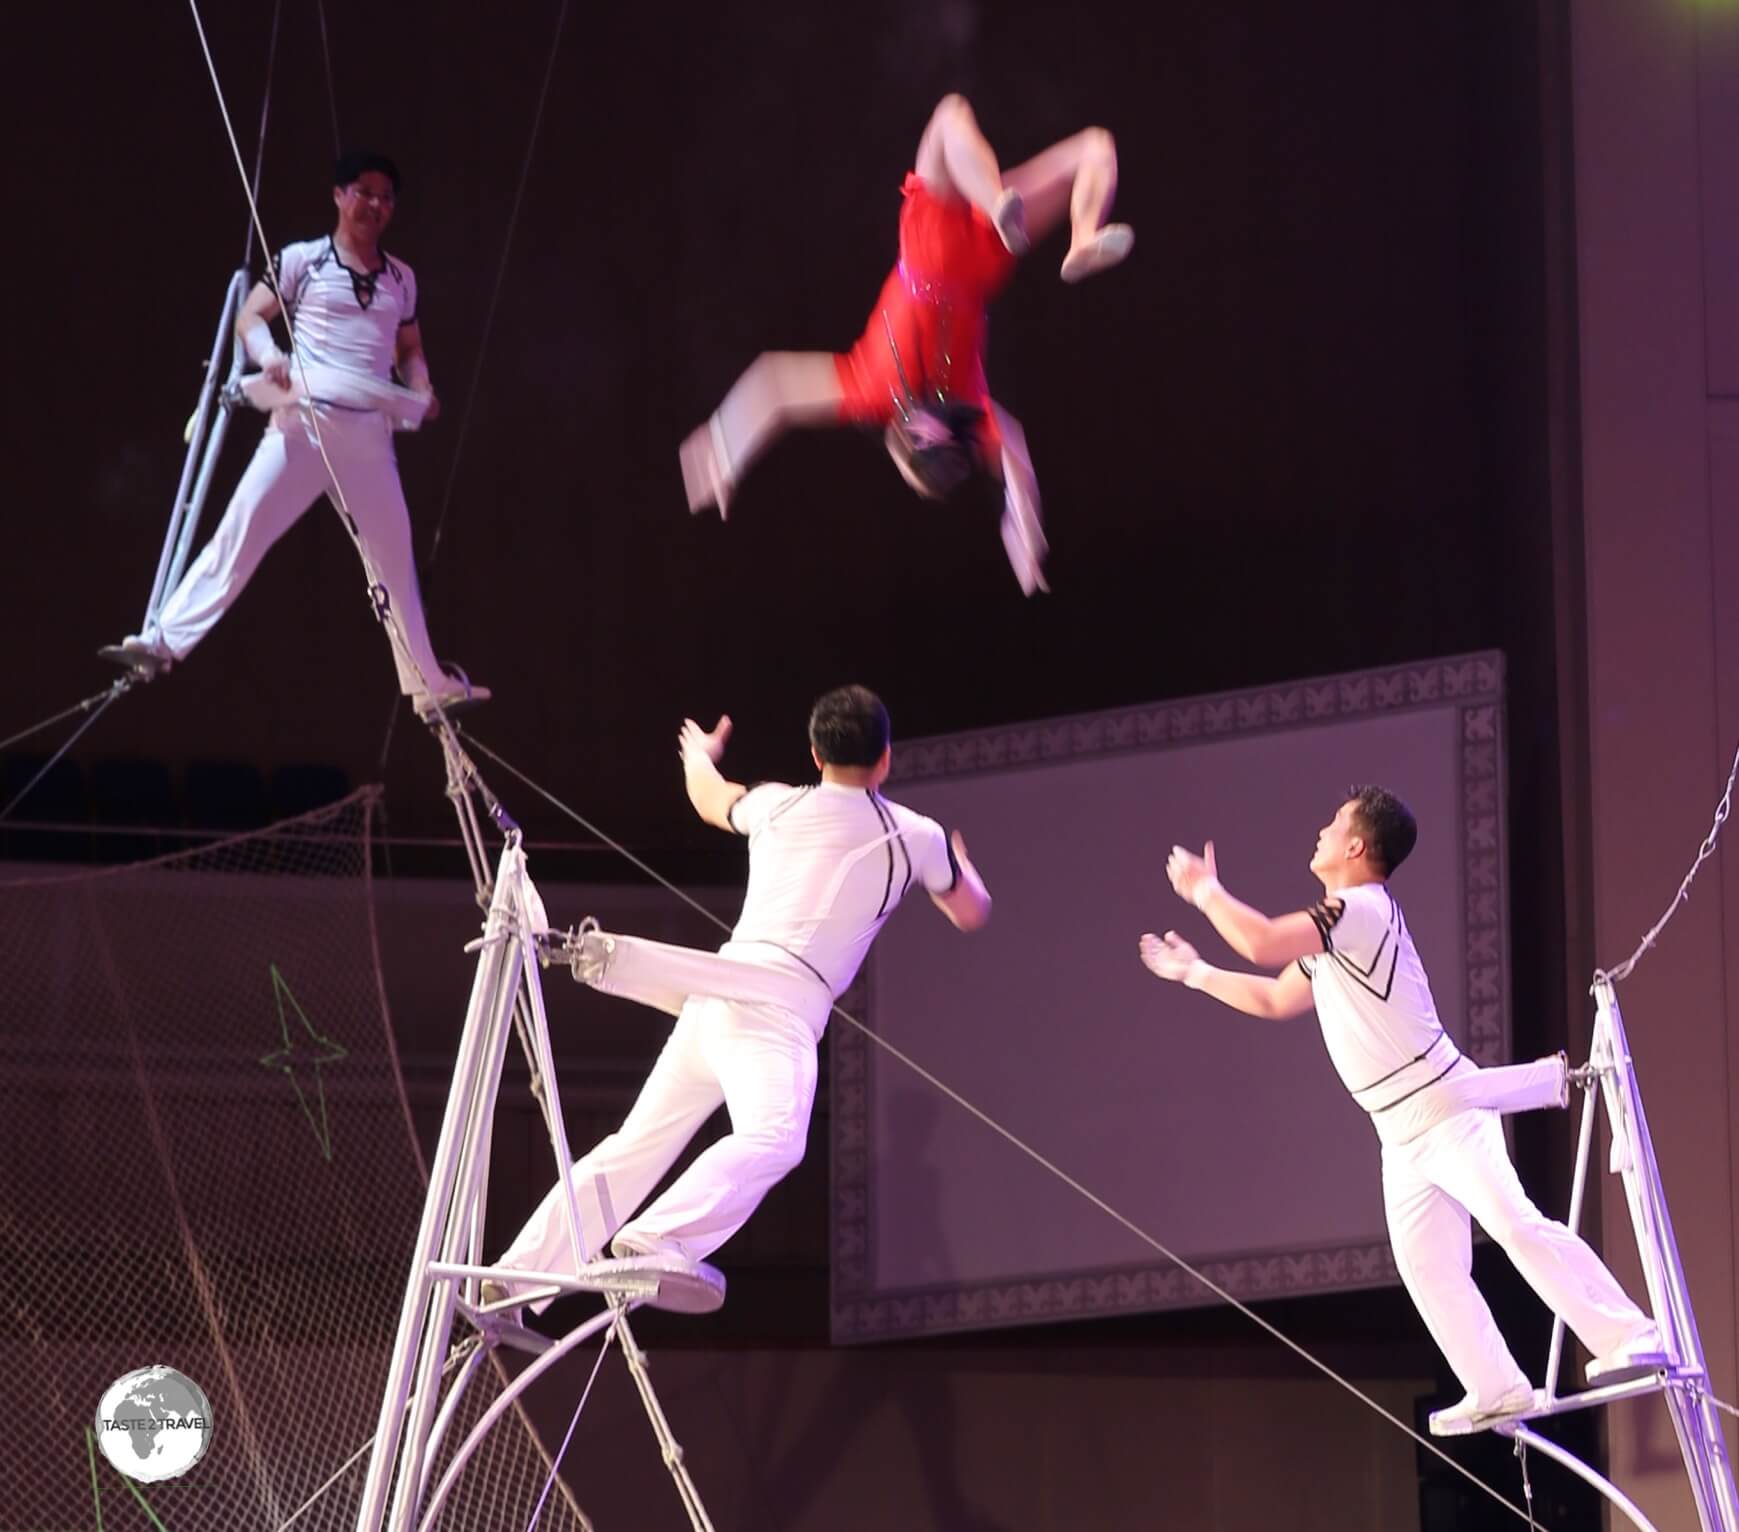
pixel 1196 976
pixel 1204 890
pixel 257 341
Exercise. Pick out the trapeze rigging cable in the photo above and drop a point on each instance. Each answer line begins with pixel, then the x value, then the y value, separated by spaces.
pixel 1013 1139
pixel 101 700
pixel 495 291
pixel 106 694
pixel 1725 807
pixel 331 85
pixel 573 1424
pixel 95 705
pixel 265 118
pixel 468 407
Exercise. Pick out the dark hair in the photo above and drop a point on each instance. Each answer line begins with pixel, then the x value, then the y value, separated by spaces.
pixel 940 466
pixel 1388 825
pixel 849 727
pixel 354 164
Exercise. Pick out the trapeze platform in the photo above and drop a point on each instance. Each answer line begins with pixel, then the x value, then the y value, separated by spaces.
pixel 1677 1371
pixel 1654 1381
pixel 145 663
pixel 656 1281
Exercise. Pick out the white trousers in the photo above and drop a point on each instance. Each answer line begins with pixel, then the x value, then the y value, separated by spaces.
pixel 759 1061
pixel 1431 1186
pixel 287 475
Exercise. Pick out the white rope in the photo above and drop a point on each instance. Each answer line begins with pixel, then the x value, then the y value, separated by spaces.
pixel 562 1451
pixel 1619 974
pixel 1031 1153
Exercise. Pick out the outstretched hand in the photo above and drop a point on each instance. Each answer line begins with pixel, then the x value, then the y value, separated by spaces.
pixel 1190 873
pixel 694 740
pixel 1169 957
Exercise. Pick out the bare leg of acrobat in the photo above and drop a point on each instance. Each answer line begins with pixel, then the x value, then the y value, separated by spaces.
pixel 778 390
pixel 955 156
pixel 1076 179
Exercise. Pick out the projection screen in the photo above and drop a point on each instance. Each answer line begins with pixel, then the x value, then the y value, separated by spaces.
pixel 1229 1140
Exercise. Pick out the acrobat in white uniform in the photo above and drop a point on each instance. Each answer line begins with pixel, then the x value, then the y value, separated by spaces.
pixel 828 864
pixel 1444 1157
pixel 356 322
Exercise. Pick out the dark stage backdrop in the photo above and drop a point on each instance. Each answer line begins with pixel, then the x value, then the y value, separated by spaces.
pixel 1295 434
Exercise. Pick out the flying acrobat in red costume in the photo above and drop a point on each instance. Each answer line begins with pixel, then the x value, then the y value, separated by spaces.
pixel 918 369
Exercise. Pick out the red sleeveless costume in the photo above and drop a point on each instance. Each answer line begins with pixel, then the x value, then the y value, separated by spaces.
pixel 930 320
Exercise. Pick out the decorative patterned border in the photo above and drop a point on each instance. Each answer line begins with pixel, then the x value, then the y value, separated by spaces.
pixel 1475 684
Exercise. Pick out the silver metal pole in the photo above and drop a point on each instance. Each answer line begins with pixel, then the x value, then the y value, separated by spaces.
pixel 1584 1148
pixel 450 1405
pixel 1702 1441
pixel 234 296
pixel 543 1069
pixel 436 1204
pixel 476 1124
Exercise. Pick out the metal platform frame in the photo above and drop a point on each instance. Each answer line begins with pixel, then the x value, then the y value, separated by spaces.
pixel 447 1269
pixel 1609 1078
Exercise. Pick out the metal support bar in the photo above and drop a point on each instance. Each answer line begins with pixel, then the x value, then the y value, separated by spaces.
pixel 1609 1079
pixel 204 443
pixel 1702 1443
pixel 1584 1147
pixel 1582 1471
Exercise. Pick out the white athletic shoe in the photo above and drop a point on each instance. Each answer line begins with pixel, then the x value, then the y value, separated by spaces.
pixel 1641 1354
pixel 1106 248
pixel 1472 1415
pixel 490 1292
pixel 145 655
pixel 626 1246
pixel 455 694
